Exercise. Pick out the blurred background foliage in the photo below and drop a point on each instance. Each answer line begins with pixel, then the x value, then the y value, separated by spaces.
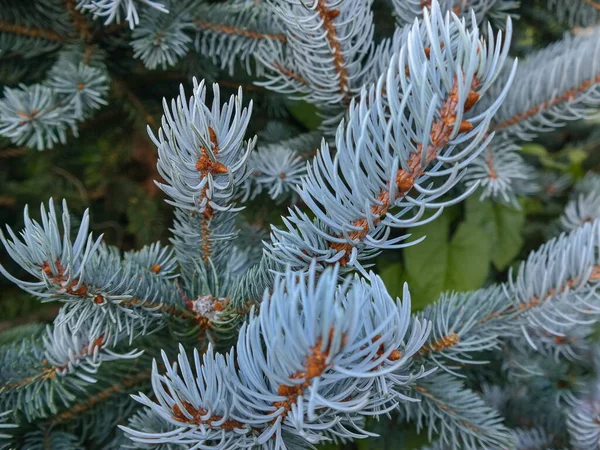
pixel 111 169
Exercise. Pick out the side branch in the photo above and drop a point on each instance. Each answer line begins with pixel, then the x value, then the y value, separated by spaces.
pixel 206 166
pixel 405 179
pixel 327 16
pixel 40 33
pixel 49 372
pixel 289 73
pixel 99 397
pixel 564 97
pixel 234 31
pixel 80 22
pixel 593 4
pixel 535 301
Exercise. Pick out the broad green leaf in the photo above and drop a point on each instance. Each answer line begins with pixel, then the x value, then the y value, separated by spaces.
pixel 544 156
pixel 468 258
pixel 392 277
pixel 502 225
pixel 446 263
pixel 509 238
pixel 426 263
pixel 535 150
pixel 306 114
pixel 329 447
pixel 393 435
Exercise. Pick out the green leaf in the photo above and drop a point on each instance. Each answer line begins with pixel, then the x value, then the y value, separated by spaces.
pixel 393 279
pixel 468 258
pixel 393 435
pixel 329 447
pixel 306 114
pixel 509 238
pixel 502 225
pixel 426 263
pixel 535 150
pixel 443 263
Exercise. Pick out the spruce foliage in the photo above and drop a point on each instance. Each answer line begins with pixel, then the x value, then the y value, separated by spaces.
pixel 228 337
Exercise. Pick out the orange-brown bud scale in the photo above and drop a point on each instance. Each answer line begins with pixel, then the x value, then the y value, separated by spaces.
pixel 197 415
pixel 442 343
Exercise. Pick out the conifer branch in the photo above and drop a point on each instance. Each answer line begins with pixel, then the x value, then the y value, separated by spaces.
pixel 532 305
pixel 344 231
pixel 322 38
pixel 21 30
pixel 314 352
pixel 572 92
pixel 106 394
pixel 333 370
pixel 225 29
pixel 582 13
pixel 458 415
pixel 237 31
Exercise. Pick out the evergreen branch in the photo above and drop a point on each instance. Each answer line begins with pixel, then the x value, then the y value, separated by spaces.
pixel 62 352
pixel 279 168
pixel 571 270
pixel 111 10
pixel 209 145
pixel 400 151
pixel 582 13
pixel 332 38
pixel 38 33
pixel 554 290
pixel 459 335
pixel 162 39
pixel 581 210
pixel 91 279
pixel 440 134
pixel 569 95
pixel 39 115
pixel 314 354
pixel 537 106
pixel 584 422
pixel 233 31
pixel 502 173
pixel 106 394
pixel 572 93
pixel 336 367
pixel 496 10
pixel 457 414
pixel 25 372
pixel 33 116
pixel 32 31
pixel 237 31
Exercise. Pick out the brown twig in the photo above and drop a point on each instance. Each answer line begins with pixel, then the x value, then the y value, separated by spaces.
pixel 21 30
pixel 225 29
pixel 565 96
